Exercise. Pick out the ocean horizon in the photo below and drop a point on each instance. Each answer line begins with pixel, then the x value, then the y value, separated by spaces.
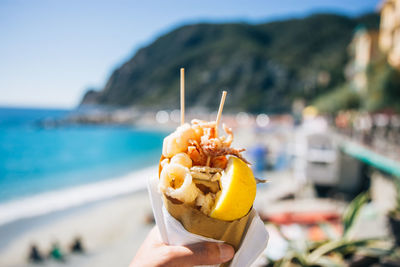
pixel 60 167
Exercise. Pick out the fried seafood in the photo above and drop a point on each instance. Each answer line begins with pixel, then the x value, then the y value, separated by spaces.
pixel 196 153
pixel 205 202
pixel 182 159
pixel 206 169
pixel 193 161
pixel 178 141
pixel 219 162
pixel 225 151
pixel 207 186
pixel 176 182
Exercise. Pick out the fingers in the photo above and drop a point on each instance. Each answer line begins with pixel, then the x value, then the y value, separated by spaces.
pixel 151 245
pixel 211 253
pixel 206 253
pixel 154 252
pixel 153 239
pixel 154 236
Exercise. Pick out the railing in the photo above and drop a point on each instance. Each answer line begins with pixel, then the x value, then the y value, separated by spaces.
pixel 371 157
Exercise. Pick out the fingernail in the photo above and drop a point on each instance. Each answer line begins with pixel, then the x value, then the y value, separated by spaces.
pixel 225 252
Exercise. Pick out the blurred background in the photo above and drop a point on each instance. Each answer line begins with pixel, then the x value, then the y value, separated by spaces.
pixel 89 89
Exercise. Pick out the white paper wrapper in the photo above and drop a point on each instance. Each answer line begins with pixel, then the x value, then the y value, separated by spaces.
pixel 172 232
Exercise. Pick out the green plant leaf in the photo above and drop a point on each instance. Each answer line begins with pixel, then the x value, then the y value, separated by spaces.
pixel 328 262
pixel 374 251
pixel 353 210
pixel 324 249
pixel 397 183
pixel 328 230
pixel 342 246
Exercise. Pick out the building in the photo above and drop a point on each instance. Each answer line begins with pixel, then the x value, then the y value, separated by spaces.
pixel 362 49
pixel 389 32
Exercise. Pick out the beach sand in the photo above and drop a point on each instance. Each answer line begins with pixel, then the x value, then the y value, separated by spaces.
pixel 111 232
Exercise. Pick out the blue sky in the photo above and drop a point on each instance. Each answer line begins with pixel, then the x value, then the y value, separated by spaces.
pixel 51 51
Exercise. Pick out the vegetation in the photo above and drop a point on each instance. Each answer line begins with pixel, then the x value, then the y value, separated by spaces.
pixel 264 66
pixel 342 97
pixel 394 219
pixel 395 213
pixel 338 250
pixel 382 91
pixel 383 87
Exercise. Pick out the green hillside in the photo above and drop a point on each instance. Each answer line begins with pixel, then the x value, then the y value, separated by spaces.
pixel 263 66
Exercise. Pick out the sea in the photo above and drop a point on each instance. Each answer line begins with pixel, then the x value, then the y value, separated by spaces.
pixel 46 169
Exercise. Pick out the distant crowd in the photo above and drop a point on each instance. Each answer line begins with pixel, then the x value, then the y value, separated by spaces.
pixel 379 131
pixel 55 252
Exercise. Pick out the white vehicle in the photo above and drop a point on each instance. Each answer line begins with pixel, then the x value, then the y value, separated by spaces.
pixel 327 167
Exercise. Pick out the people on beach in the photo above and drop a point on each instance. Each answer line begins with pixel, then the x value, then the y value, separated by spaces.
pixel 154 252
pixel 34 254
pixel 56 252
pixel 77 246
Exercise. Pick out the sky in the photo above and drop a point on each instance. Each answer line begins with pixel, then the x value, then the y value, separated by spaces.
pixel 52 51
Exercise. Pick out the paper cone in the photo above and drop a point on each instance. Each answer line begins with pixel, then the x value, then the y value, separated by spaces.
pixel 198 223
pixel 183 225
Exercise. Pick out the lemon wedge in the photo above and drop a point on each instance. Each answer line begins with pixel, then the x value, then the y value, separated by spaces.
pixel 238 191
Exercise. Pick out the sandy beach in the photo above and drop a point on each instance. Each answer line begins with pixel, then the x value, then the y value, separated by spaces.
pixel 109 216
pixel 111 232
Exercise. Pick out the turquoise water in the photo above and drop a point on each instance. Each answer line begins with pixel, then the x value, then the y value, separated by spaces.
pixel 34 160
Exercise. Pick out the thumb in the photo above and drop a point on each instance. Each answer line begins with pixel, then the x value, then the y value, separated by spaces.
pixel 206 253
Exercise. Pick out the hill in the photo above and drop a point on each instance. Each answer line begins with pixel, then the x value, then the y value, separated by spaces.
pixel 263 66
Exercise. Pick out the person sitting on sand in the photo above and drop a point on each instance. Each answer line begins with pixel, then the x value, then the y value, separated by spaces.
pixel 56 252
pixel 76 246
pixel 34 254
pixel 154 252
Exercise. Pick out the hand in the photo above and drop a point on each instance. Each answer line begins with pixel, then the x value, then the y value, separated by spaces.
pixel 154 252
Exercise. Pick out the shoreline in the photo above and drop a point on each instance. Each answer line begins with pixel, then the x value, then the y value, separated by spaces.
pixel 106 227
pixel 26 215
pixel 15 229
pixel 76 196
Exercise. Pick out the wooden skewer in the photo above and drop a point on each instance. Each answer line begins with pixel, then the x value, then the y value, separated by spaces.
pixel 182 96
pixel 208 161
pixel 221 107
